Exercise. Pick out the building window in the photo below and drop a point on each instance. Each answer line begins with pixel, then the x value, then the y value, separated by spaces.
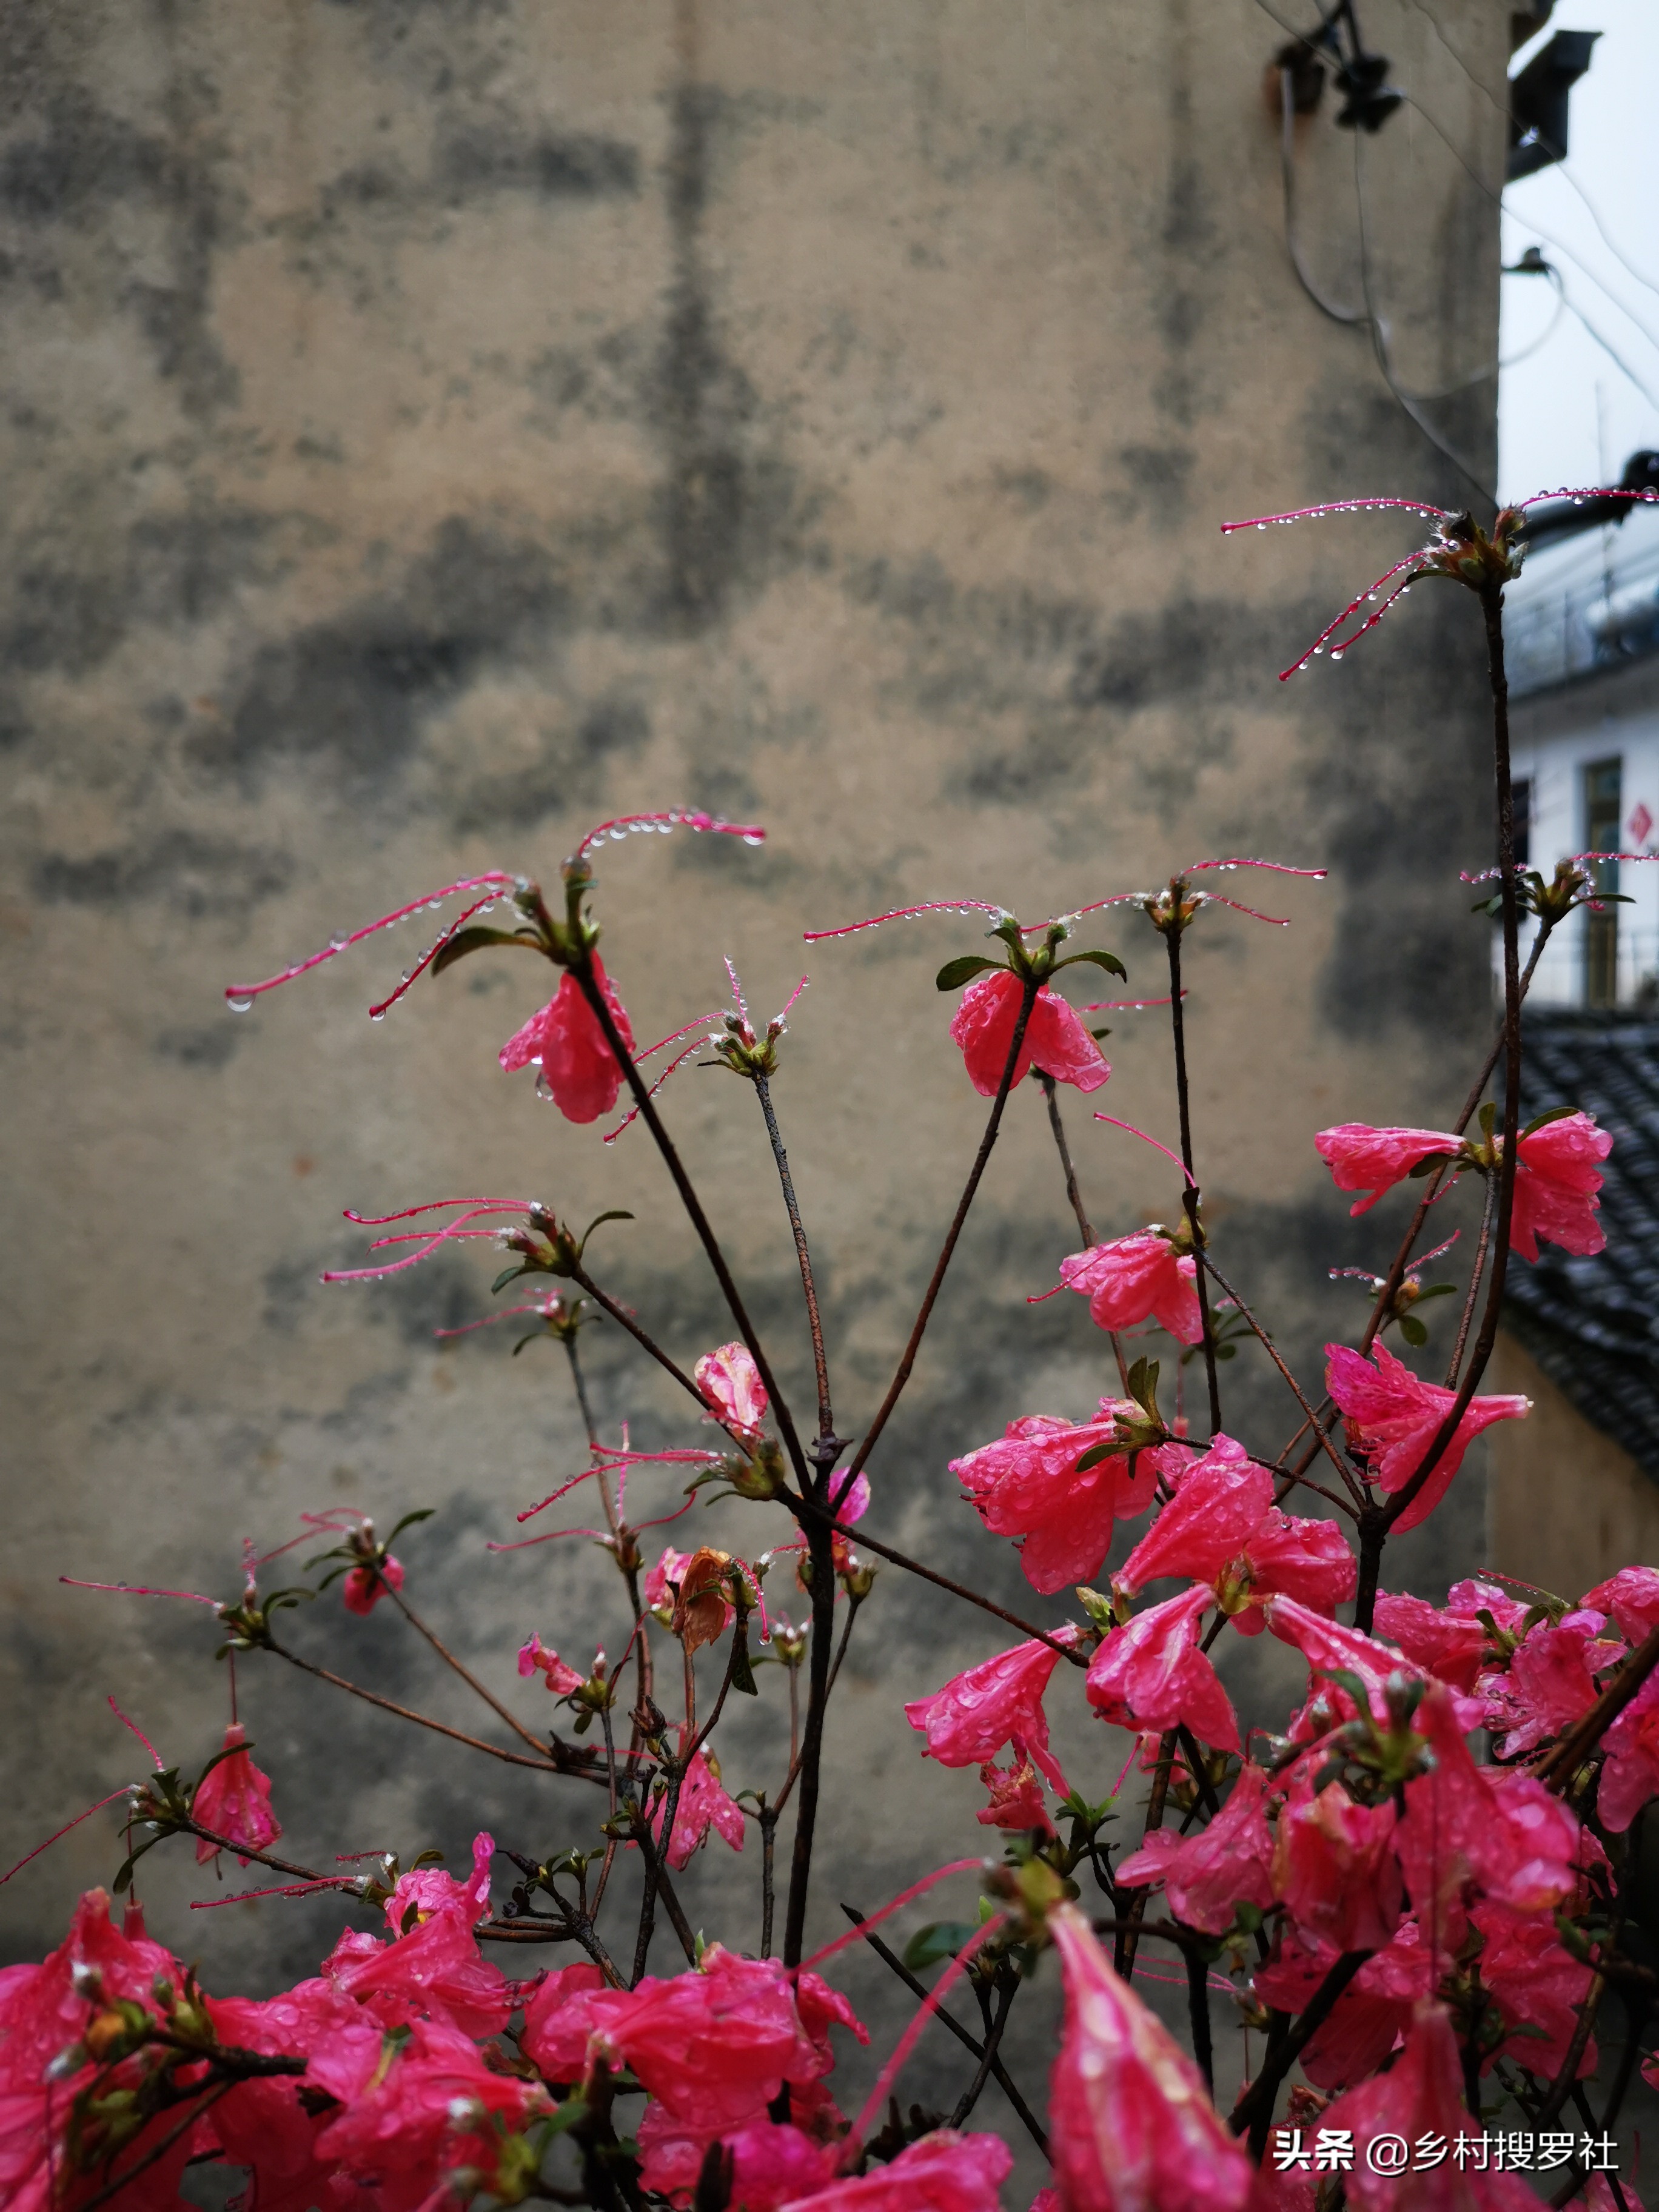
pixel 1603 813
pixel 1522 794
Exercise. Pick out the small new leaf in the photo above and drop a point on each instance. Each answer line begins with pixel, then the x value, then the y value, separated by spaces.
pixel 474 940
pixel 955 972
pixel 1109 961
pixel 940 1939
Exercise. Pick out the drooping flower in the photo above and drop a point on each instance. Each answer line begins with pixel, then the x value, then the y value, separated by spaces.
pixel 364 1587
pixel 772 2161
pixel 1450 1643
pixel 1055 1039
pixel 233 1799
pixel 432 1970
pixel 1150 1674
pixel 729 1380
pixel 703 1805
pixel 1549 1682
pixel 1370 2016
pixel 265 2124
pixel 1334 1869
pixel 1629 1777
pixel 1131 2123
pixel 1421 2095
pixel 1143 1277
pixel 435 2109
pixel 429 1889
pixel 1207 1875
pixel 976 1713
pixel 943 2173
pixel 1371 1161
pixel 1536 1984
pixel 1016 1798
pixel 1558 1179
pixel 1631 1596
pixel 1219 1504
pixel 537 1657
pixel 579 1071
pixel 1395 1416
pixel 1027 1486
pixel 1287 1555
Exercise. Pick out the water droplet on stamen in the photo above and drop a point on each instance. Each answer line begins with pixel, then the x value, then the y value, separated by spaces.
pixel 377 1013
pixel 240 1003
pixel 339 943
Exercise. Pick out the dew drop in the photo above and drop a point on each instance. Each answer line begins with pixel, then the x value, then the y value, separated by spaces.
pixel 240 1003
pixel 339 943
pixel 408 975
pixel 1337 655
pixel 1262 525
pixel 377 1013
pixel 749 839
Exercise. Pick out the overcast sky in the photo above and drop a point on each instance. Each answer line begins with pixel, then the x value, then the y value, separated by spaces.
pixel 1569 414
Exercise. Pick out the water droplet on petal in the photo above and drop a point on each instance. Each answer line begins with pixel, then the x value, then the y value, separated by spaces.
pixel 240 1003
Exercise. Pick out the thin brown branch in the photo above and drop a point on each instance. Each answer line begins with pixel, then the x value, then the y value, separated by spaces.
pixel 424 1720
pixel 1563 1762
pixel 524 1734
pixel 826 1419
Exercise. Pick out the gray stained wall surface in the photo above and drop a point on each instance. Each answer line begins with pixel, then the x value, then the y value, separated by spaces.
pixel 431 429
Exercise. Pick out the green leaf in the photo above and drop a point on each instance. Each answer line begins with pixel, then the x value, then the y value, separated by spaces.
pixel 1413 1329
pixel 1346 1678
pixel 229 1751
pixel 569 2113
pixel 1096 1454
pixel 1225 1351
pixel 1543 1120
pixel 1436 1291
pixel 534 1337
pixel 421 1513
pixel 743 1674
pixel 940 1939
pixel 614 1214
pixel 955 972
pixel 123 1880
pixel 510 1275
pixel 475 939
pixel 1109 961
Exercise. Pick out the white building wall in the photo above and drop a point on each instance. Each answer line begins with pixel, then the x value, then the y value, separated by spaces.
pixel 1554 766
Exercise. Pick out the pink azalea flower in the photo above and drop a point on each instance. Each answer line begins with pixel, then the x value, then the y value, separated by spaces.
pixel 1630 1777
pixel 429 1889
pixel 1286 1556
pixel 427 2115
pixel 1143 1277
pixel 1204 1875
pixel 943 2173
pixel 1150 1674
pixel 1016 1798
pixel 1453 1645
pixel 43 2010
pixel 1552 1851
pixel 1131 2123
pixel 364 1587
pixel 535 1656
pixel 1422 2094
pixel 1026 1485
pixel 1373 1160
pixel 1558 1179
pixel 263 2125
pixel 976 1713
pixel 579 1071
pixel 1055 1040
pixel 1219 1504
pixel 1333 1868
pixel 1632 1598
pixel 771 2162
pixel 703 1805
pixel 728 1379
pixel 233 1800
pixel 434 1971
pixel 1396 1415
pixel 1372 2012
pixel 1536 1985
pixel 1549 1682
pixel 1328 1644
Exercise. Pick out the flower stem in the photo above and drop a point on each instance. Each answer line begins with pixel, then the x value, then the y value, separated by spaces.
pixel 826 1419
pixel 1189 1194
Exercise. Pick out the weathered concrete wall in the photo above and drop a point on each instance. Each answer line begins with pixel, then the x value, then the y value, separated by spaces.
pixel 431 429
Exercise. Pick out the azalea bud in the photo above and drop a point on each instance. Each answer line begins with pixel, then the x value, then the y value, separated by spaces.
pixel 858 1577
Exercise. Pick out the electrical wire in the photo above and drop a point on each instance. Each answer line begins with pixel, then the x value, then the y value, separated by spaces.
pixel 1624 261
pixel 1615 358
pixel 1287 169
pixel 1379 341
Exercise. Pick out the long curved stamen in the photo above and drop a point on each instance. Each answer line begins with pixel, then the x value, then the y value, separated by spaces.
pixel 1193 868
pixel 554 1496
pixel 553 1535
pixel 456 1229
pixel 633 1113
pixel 1354 606
pixel 674 817
pixel 1580 492
pixel 1344 507
pixel 1125 1006
pixel 894 1904
pixel 434 1205
pixel 1145 1139
pixel 737 998
pixel 240 996
pixel 350 1882
pixel 64 1831
pixel 789 1002
pixel 907 2043
pixel 1278 921
pixel 1276 867
pixel 139 1733
pixel 137 1590
pixel 903 913
pixel 489 1321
